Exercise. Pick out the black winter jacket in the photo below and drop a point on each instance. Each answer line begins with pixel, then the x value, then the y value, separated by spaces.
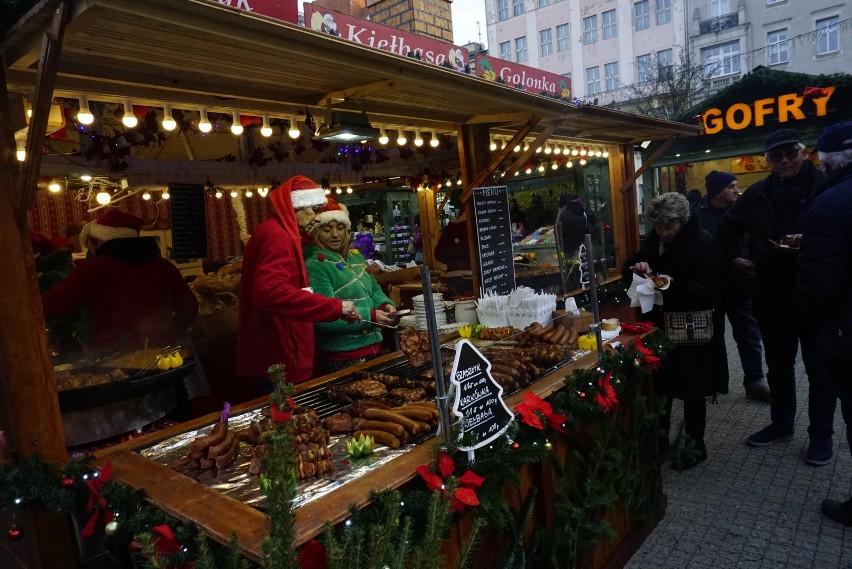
pixel 824 273
pixel 572 225
pixel 735 283
pixel 693 261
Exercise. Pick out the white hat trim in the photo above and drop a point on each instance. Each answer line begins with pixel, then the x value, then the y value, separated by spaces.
pixel 336 215
pixel 104 233
pixel 308 197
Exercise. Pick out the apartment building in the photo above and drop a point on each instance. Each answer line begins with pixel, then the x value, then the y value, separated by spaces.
pixel 607 46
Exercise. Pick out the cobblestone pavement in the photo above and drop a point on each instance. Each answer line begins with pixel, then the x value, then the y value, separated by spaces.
pixel 747 507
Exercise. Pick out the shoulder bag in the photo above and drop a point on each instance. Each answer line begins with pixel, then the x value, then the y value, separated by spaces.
pixel 692 328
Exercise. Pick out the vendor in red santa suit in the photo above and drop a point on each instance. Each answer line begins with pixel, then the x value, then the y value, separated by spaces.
pixel 130 293
pixel 277 309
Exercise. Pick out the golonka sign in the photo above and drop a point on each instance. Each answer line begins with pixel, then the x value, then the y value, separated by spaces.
pixel 385 38
pixel 522 77
pixel 284 10
pixel 784 108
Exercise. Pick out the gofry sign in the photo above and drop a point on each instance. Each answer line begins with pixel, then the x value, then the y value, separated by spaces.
pixel 786 108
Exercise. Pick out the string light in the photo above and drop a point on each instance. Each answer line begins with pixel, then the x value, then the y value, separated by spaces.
pixel 569 164
pixel 541 168
pixel 249 193
pixel 146 196
pixel 84 115
pixel 234 193
pixel 165 195
pixel 103 197
pixel 526 145
pixel 203 122
pixel 349 189
pixel 383 136
pixel 528 170
pixel 517 147
pixel 129 119
pixel 557 149
pixel 583 151
pixel 418 138
pixel 265 129
pixel 548 149
pixel 218 194
pixel 86 178
pixel 606 154
pixel 400 139
pixel 263 192
pixel 327 191
pixel 21 154
pixel 294 131
pixel 574 151
pixel 168 121
pixel 554 166
pixel 339 190
pixel 236 127
pixel 493 145
pixel 434 141
pixel 582 161
pixel 54 187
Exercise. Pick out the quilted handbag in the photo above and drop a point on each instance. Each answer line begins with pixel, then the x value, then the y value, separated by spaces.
pixel 689 328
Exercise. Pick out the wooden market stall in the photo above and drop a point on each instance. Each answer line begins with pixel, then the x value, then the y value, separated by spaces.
pixel 197 54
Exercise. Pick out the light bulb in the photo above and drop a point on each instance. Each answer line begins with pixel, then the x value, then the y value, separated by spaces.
pixel 538 150
pixel 263 192
pixel 103 197
pixel 249 193
pixel 606 154
pixel 418 138
pixel 517 148
pixel 582 161
pixel 129 119
pixel 265 129
pixel 146 196
pixel 448 183
pixel 541 167
pixel 459 181
pixel 165 195
pixel 84 115
pixel 236 127
pixel 383 136
pixel 569 164
pixel 518 173
pixel 234 193
pixel 583 151
pixel 492 146
pixel 294 131
pixel 168 122
pixel 434 141
pixel 557 149
pixel 338 190
pixel 526 146
pixel 327 191
pixel 574 151
pixel 598 153
pixel 54 187
pixel 554 166
pixel 349 189
pixel 400 139
pixel 86 178
pixel 21 154
pixel 548 149
pixel 203 122
pixel 218 194
pixel 528 170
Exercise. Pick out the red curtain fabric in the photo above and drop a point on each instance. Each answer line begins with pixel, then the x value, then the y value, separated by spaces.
pixel 56 215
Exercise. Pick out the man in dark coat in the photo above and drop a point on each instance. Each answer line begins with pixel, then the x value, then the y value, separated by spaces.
pixel 824 278
pixel 677 246
pixel 769 211
pixel 571 223
pixel 722 192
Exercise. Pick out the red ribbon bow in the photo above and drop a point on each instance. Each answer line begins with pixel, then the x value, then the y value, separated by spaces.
pixel 533 408
pixel 97 504
pixel 637 327
pixel 647 356
pixel 283 416
pixel 465 495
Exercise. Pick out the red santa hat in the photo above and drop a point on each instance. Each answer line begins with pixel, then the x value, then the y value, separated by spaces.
pixel 334 211
pixel 304 192
pixel 114 224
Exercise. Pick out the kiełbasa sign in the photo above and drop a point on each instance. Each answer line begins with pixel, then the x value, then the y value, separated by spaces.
pixel 284 10
pixel 384 38
pixel 739 116
pixel 522 77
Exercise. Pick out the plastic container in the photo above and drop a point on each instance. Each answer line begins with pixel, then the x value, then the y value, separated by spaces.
pixel 465 311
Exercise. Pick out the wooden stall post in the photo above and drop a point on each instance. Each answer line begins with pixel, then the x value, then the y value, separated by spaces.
pixel 428 224
pixel 475 156
pixel 625 226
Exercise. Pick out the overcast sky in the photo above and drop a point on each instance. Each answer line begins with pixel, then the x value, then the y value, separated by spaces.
pixel 466 14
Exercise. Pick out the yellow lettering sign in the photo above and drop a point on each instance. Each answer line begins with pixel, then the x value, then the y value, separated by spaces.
pixel 788 107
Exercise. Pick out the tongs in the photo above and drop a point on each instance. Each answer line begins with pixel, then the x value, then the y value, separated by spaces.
pixel 164 353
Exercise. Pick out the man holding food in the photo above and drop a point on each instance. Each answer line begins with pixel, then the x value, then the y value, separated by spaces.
pixel 277 308
pixel 771 211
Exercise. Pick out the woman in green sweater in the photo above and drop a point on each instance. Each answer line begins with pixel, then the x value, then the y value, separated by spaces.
pixel 335 270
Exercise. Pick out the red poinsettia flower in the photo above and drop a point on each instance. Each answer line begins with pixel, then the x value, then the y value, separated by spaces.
pixel 606 398
pixel 464 495
pixel 433 481
pixel 471 479
pixel 648 356
pixel 165 541
pixel 533 408
pixel 313 556
pixel 637 327
pixel 446 466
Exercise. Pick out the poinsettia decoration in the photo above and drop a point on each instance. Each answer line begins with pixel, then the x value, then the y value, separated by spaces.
pixel 464 494
pixel 313 556
pixel 606 397
pixel 637 327
pixel 646 355
pixel 534 408
pixel 280 416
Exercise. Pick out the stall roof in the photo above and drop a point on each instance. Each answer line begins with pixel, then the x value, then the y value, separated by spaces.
pixel 199 53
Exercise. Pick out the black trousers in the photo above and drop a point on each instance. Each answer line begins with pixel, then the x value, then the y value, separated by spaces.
pixel 694 418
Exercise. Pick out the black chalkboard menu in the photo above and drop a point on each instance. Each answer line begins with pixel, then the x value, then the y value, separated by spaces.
pixel 479 399
pixel 189 222
pixel 494 239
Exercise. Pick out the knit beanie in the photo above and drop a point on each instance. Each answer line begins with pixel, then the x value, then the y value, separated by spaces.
pixel 717 181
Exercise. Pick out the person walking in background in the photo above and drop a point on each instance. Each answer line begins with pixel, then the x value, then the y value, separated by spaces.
pixel 416 245
pixel 737 284
pixel 336 271
pixel 771 211
pixel 537 215
pixel 824 278
pixel 571 224
pixel 677 246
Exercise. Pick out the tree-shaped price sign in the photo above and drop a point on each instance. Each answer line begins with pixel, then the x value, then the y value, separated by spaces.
pixel 479 399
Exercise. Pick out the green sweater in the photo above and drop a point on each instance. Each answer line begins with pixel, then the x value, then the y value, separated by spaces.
pixel 347 279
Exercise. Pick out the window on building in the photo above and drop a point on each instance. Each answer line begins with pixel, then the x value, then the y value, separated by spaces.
pixel 776 47
pixel 828 35
pixel 722 59
pixel 593 80
pixel 609 29
pixel 665 64
pixel 521 49
pixel 644 71
pixel 545 40
pixel 590 30
pixel 664 12
pixel 517 7
pixel 506 50
pixel 563 37
pixel 719 8
pixel 771 2
pixel 543 3
pixel 641 15
pixel 611 76
pixel 502 10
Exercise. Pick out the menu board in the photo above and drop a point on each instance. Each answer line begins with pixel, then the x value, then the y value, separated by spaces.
pixel 479 399
pixel 494 239
pixel 189 221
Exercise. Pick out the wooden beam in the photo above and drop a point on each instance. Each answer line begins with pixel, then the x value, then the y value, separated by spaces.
pixel 527 154
pixel 500 118
pixel 647 164
pixel 362 91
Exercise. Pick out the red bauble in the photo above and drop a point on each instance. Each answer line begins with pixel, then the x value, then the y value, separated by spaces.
pixel 67 482
pixel 15 533
pixel 135 546
pixel 515 445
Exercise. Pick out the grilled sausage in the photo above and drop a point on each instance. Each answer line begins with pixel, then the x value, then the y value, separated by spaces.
pixel 380 437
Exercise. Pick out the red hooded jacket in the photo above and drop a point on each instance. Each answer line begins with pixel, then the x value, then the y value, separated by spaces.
pixel 276 313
